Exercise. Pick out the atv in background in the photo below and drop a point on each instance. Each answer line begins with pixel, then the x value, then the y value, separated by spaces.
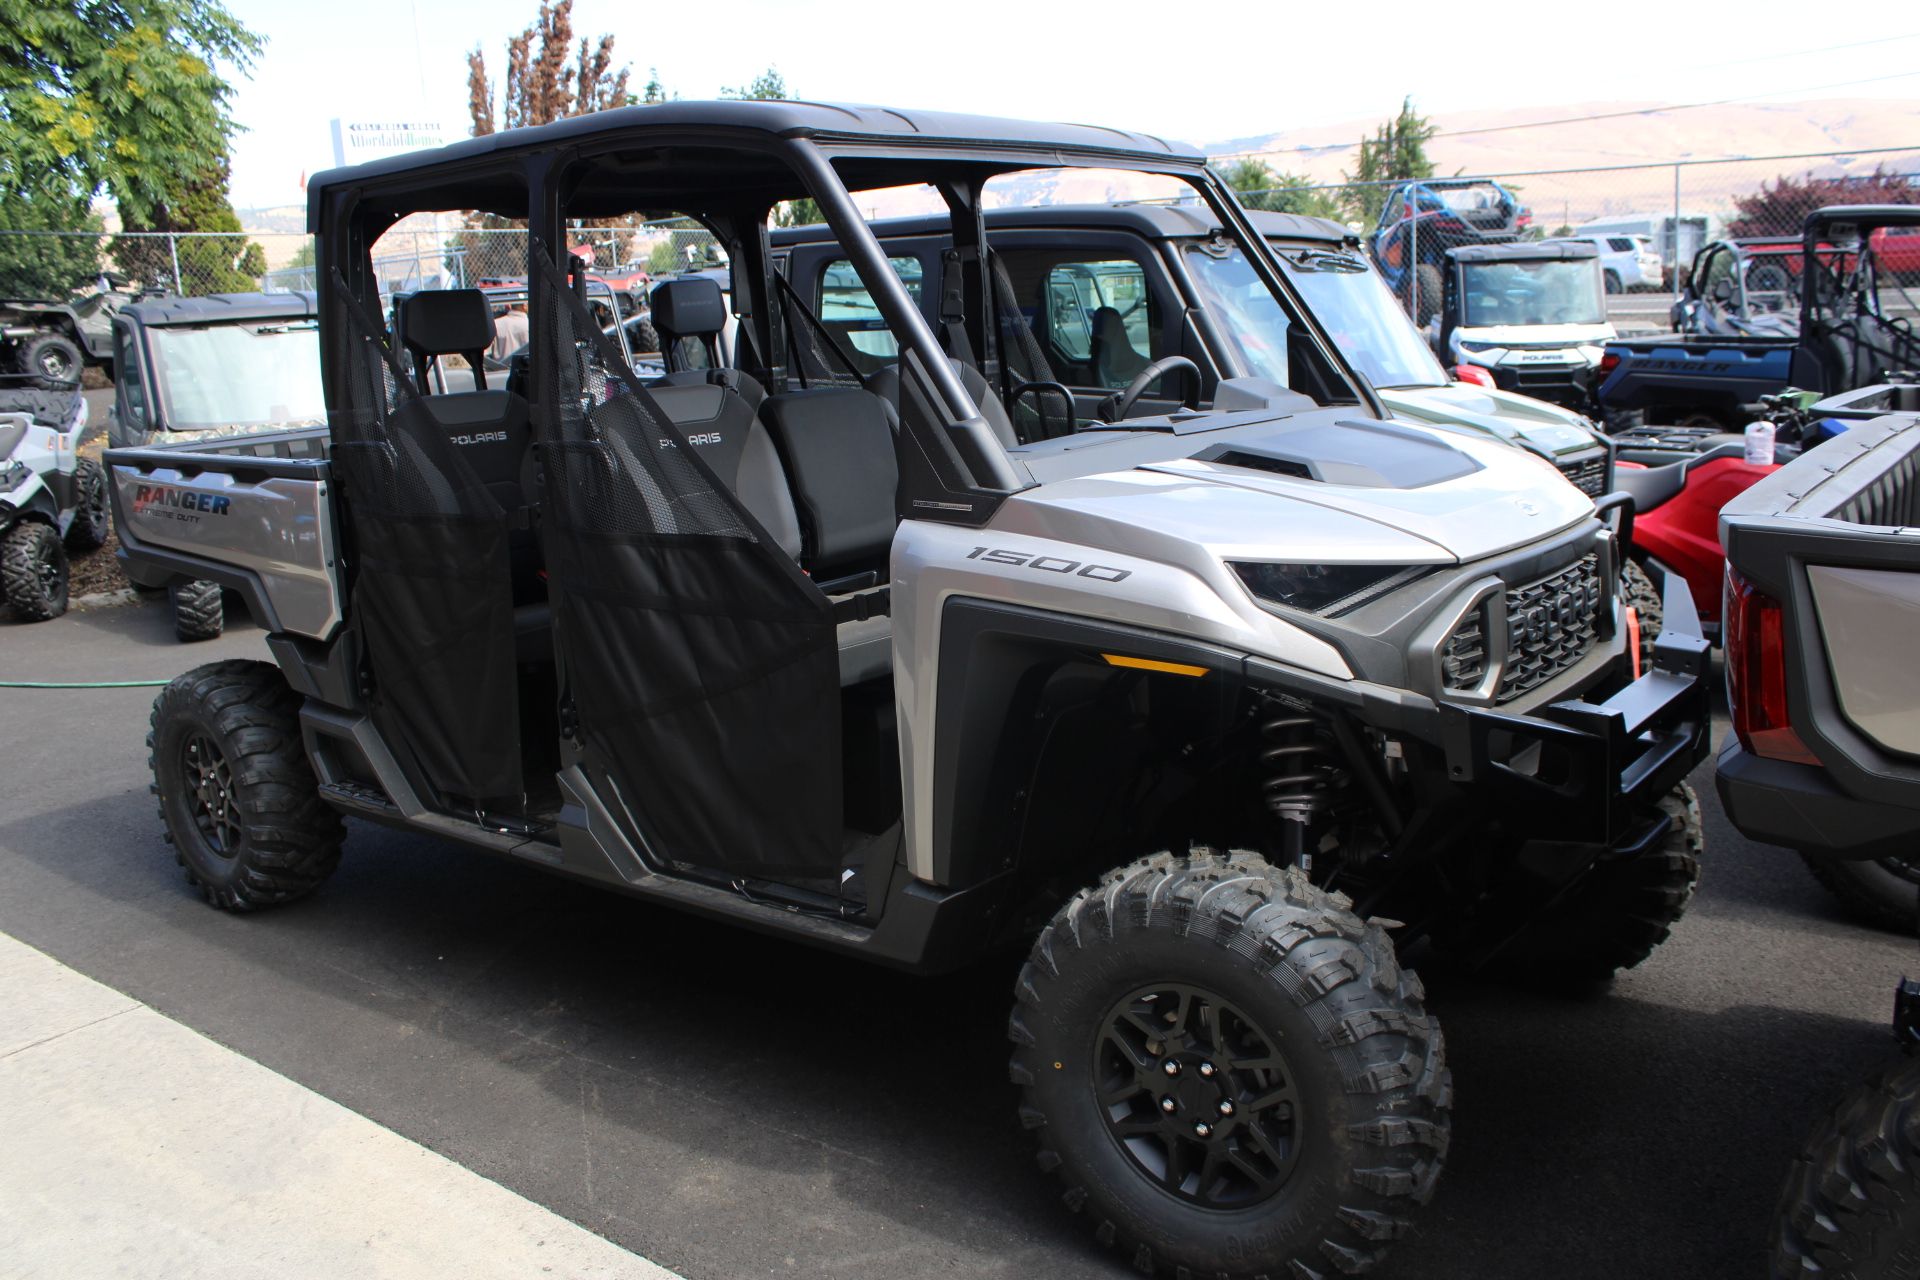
pixel 1742 287
pixel 1422 220
pixel 190 370
pixel 51 499
pixel 54 341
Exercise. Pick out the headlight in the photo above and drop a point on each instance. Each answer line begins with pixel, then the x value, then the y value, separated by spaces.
pixel 1478 346
pixel 1322 588
pixel 12 476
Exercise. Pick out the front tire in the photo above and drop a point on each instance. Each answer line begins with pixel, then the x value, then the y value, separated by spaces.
pixel 199 610
pixel 33 571
pixel 1643 597
pixel 239 802
pixel 1623 910
pixel 1229 1070
pixel 1882 892
pixel 91 524
pixel 1851 1203
pixel 1613 282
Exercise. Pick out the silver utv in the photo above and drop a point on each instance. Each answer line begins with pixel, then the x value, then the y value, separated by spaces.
pixel 1189 705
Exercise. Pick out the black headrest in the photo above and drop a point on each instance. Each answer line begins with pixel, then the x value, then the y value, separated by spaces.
pixel 438 322
pixel 691 306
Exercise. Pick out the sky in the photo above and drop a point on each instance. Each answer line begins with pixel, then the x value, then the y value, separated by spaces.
pixel 1203 73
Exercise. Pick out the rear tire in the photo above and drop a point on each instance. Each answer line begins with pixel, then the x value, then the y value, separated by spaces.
pixel 91 524
pixel 646 339
pixel 199 610
pixel 1882 892
pixel 1621 912
pixel 239 802
pixel 33 571
pixel 1851 1203
pixel 1613 282
pixel 1256 984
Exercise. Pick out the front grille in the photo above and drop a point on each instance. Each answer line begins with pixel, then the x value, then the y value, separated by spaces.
pixel 1551 625
pixel 1463 659
pixel 1588 476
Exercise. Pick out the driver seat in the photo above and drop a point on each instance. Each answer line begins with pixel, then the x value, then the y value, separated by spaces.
pixel 1115 362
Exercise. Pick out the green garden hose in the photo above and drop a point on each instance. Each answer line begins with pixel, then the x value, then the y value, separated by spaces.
pixel 83 684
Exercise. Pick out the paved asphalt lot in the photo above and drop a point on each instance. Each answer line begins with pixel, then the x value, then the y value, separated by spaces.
pixel 734 1106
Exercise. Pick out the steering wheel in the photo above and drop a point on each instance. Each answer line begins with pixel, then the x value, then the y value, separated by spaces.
pixel 1115 406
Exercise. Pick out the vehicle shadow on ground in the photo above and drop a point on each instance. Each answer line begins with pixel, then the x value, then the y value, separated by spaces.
pixel 147 621
pixel 722 1101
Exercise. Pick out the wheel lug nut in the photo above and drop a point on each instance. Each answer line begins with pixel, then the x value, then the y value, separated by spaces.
pixel 1206 1069
pixel 1171 1067
pixel 1202 1130
pixel 1226 1107
pixel 1169 1106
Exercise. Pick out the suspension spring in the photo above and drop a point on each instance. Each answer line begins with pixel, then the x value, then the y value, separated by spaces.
pixel 1298 781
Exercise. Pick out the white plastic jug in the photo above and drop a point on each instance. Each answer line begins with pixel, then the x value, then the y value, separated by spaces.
pixel 1760 443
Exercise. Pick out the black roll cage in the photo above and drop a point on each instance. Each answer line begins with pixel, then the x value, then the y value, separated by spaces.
pixel 537 181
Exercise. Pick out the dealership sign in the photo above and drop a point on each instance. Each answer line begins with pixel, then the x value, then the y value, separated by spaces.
pixel 357 141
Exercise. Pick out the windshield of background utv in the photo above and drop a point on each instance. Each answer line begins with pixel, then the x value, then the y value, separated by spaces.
pixel 1541 292
pixel 239 375
pixel 1365 322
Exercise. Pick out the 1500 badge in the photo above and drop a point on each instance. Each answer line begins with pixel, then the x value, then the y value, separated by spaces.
pixel 1050 564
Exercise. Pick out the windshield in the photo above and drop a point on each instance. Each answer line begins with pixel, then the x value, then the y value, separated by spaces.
pixel 1368 326
pixel 239 375
pixel 1244 311
pixel 1544 291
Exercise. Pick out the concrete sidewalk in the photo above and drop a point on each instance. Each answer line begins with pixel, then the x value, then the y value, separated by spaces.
pixel 131 1146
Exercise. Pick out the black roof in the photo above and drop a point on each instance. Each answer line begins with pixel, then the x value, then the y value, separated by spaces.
pixel 1150 221
pixel 1874 215
pixel 837 122
pixel 223 308
pixel 1521 251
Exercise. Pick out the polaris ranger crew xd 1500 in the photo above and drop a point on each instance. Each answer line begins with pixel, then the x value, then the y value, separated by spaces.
pixel 1195 707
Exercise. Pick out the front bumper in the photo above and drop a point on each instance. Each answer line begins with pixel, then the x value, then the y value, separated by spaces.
pixel 1798 805
pixel 1587 773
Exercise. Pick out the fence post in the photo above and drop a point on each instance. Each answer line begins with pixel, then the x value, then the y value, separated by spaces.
pixel 1413 269
pixel 173 251
pixel 1673 254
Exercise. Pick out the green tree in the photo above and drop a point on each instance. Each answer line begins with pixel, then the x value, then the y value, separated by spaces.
pixel 217 260
pixel 47 266
pixel 1260 187
pixel 1396 152
pixel 120 96
pixel 768 86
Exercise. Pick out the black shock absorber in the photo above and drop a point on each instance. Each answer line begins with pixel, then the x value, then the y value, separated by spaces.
pixel 1298 780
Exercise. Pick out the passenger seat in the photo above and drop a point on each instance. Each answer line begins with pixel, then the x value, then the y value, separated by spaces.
pixel 693 309
pixel 492 431
pixel 838 446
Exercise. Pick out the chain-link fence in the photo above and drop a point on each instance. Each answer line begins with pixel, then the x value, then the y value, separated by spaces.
pixel 423 251
pixel 1647 221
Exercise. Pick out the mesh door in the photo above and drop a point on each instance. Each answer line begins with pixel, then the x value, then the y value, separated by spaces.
pixel 700 660
pixel 432 592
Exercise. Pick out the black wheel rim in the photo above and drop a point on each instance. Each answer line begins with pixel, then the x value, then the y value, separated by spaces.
pixel 1197 1097
pixel 210 787
pixel 49 570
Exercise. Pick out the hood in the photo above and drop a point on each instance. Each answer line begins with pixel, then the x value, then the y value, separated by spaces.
pixel 1423 497
pixel 1545 428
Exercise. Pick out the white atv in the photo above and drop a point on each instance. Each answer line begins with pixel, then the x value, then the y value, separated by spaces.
pixel 50 497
